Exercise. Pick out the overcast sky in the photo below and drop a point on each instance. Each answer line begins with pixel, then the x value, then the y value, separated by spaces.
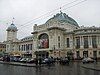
pixel 86 13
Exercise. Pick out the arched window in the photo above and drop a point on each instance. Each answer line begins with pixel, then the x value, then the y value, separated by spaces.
pixel 43 41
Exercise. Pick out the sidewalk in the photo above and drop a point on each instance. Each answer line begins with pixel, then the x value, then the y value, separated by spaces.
pixel 92 66
pixel 20 64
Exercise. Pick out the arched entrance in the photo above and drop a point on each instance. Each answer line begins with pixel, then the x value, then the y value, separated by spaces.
pixel 70 54
pixel 43 41
pixel 85 54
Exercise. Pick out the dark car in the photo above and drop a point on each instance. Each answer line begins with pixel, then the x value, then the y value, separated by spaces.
pixel 64 61
pixel 15 59
pixel 44 61
pixel 48 61
pixel 6 58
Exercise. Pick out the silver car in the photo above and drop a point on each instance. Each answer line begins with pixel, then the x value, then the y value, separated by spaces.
pixel 87 60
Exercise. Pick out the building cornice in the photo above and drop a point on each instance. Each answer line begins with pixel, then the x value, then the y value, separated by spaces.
pixel 50 28
pixel 88 28
pixel 87 33
pixel 35 32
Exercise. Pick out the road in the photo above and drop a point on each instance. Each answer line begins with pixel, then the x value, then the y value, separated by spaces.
pixel 71 69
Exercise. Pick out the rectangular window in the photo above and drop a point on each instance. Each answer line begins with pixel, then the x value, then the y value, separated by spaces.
pixel 58 38
pixel 26 47
pixel 78 42
pixel 30 46
pixel 86 42
pixel 99 52
pixel 59 45
pixel 19 47
pixel 68 45
pixel 22 47
pixel 94 42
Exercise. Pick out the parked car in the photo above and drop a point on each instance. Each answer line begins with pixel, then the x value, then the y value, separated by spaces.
pixel 15 59
pixel 6 58
pixel 87 60
pixel 64 61
pixel 23 60
pixel 48 61
pixel 27 60
pixel 30 60
pixel 45 61
pixel 1 58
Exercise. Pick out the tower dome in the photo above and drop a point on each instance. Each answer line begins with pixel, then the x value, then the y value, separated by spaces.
pixel 62 17
pixel 12 27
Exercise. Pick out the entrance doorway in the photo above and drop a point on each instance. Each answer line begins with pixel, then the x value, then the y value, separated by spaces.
pixel 85 54
pixel 78 54
pixel 94 54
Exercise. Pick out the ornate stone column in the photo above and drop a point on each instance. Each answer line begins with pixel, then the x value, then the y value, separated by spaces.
pixel 98 41
pixel 81 42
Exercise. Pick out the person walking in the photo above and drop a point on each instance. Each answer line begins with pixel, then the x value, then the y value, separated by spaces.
pixel 36 61
pixel 40 61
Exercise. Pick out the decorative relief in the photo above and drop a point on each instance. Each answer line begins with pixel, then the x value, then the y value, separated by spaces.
pixel 35 37
pixel 51 33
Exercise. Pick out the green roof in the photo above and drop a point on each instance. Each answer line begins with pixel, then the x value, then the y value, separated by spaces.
pixel 63 18
pixel 12 27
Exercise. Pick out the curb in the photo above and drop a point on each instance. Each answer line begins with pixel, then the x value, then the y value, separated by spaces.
pixel 20 64
pixel 90 68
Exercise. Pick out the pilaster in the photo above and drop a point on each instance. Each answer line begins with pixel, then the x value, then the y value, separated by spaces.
pixel 81 42
pixel 90 41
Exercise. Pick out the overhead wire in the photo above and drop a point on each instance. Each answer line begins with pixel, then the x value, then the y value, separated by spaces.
pixel 48 13
pixel 53 10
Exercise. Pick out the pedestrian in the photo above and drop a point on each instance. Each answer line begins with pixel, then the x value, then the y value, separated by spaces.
pixel 68 58
pixel 40 61
pixel 8 59
pixel 95 60
pixel 36 61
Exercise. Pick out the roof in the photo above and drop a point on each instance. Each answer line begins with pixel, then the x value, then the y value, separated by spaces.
pixel 62 17
pixel 12 27
pixel 27 38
